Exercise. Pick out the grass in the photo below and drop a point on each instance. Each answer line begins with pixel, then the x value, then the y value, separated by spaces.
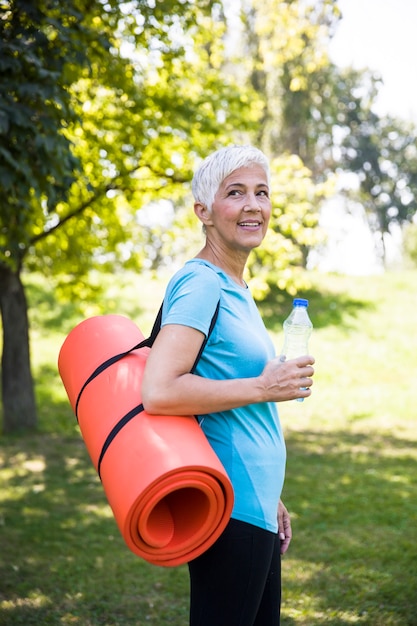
pixel 350 487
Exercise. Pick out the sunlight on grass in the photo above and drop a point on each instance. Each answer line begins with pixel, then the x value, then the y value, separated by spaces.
pixel 35 601
pixel 103 511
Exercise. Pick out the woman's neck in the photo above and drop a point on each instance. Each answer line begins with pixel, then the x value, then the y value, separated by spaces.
pixel 232 266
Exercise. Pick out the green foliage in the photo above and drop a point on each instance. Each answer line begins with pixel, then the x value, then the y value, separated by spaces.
pixel 288 43
pixel 131 94
pixel 132 113
pixel 350 483
pixel 324 114
pixel 383 152
pixel 105 110
pixel 106 107
pixel 138 93
pixel 36 164
pixel 293 228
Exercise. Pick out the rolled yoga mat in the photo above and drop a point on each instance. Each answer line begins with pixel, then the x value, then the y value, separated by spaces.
pixel 168 491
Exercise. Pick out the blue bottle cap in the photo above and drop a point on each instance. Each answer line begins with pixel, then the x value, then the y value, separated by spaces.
pixel 300 302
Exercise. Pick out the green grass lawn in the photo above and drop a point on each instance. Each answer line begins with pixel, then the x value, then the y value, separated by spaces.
pixel 351 482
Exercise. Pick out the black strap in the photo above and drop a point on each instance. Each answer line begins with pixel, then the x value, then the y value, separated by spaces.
pixel 115 431
pixel 206 338
pixel 104 366
pixel 148 342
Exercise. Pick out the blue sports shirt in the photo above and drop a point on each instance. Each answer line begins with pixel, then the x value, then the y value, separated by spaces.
pixel 248 440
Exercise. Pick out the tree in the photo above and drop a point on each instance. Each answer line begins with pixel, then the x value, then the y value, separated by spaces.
pixel 324 114
pixel 287 42
pixel 293 228
pixel 284 47
pixel 382 152
pixel 100 112
pixel 273 40
pixel 36 167
pixel 104 110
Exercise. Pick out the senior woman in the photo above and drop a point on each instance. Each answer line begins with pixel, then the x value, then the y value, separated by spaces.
pixel 233 391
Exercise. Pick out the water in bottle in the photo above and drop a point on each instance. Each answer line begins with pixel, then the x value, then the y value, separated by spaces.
pixel 297 331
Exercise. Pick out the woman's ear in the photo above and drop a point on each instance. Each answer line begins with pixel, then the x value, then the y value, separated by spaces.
pixel 203 214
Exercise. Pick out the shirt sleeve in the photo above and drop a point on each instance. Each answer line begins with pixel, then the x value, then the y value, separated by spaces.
pixel 191 298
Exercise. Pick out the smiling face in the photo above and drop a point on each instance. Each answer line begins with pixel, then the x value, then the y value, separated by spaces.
pixel 240 213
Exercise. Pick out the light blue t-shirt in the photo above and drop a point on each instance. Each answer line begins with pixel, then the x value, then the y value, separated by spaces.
pixel 247 440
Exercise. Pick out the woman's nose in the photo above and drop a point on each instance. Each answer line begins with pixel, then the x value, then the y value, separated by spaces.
pixel 252 203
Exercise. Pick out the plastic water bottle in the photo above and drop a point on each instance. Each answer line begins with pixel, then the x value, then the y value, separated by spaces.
pixel 297 331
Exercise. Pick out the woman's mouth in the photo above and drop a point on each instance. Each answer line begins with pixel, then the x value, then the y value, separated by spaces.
pixel 249 224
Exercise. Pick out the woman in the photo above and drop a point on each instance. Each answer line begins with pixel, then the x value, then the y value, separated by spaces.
pixel 238 380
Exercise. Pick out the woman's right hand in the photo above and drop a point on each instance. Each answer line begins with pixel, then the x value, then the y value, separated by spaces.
pixel 287 380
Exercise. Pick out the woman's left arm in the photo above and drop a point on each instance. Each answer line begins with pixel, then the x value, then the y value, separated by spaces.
pixel 284 527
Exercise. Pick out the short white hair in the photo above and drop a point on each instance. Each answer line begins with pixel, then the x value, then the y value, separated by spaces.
pixel 219 165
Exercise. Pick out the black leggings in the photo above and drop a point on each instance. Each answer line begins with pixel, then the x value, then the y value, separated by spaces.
pixel 237 582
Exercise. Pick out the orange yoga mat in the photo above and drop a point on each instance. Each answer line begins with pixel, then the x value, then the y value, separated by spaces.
pixel 169 493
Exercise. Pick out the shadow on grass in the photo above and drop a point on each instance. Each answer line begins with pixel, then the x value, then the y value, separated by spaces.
pixel 63 560
pixel 354 512
pixel 327 308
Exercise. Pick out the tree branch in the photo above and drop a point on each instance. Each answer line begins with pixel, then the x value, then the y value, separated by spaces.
pixel 98 193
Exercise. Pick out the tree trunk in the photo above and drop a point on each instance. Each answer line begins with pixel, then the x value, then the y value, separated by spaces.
pixel 19 407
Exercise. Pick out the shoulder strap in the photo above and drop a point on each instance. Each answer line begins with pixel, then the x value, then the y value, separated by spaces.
pixel 148 342
pixel 206 338
pixel 157 327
